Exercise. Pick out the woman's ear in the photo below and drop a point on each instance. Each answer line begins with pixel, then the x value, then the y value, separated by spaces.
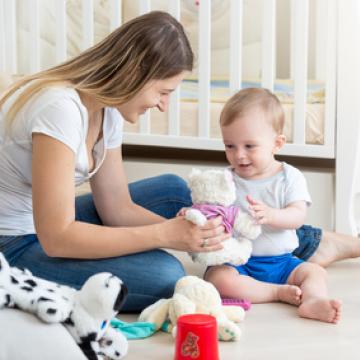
pixel 280 141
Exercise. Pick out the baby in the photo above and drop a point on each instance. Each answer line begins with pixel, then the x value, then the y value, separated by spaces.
pixel 276 195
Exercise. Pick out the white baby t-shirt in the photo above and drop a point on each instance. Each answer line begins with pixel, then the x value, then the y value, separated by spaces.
pixel 59 113
pixel 278 191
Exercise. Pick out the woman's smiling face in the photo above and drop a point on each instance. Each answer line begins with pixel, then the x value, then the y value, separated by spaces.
pixel 155 94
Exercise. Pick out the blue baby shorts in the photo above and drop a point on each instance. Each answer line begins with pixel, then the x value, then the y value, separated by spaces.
pixel 271 269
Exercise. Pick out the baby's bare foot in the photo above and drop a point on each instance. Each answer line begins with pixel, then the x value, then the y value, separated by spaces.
pixel 321 309
pixel 290 294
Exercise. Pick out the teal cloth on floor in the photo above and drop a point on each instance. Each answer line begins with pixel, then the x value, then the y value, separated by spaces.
pixel 134 330
pixel 165 326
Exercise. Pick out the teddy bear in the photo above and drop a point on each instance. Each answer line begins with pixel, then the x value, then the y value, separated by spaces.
pixel 86 313
pixel 213 192
pixel 194 295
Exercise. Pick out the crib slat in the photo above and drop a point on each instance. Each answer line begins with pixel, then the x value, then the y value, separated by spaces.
pixel 34 35
pixel 145 122
pixel 321 14
pixel 144 6
pixel 10 36
pixel 330 87
pixel 88 23
pixel 115 14
pixel 61 41
pixel 204 68
pixel 300 17
pixel 268 44
pixel 235 52
pixel 174 105
pixel 2 37
pixel 175 9
pixel 174 113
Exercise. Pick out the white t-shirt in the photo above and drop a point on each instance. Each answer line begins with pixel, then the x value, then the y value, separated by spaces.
pixel 278 191
pixel 59 113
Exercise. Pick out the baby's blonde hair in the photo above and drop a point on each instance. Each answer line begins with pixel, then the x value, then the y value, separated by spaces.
pixel 254 98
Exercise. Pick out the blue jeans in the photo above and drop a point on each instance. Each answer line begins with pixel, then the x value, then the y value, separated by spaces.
pixel 149 275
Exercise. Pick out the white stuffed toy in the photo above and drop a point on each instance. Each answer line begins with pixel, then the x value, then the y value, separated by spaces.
pixel 213 192
pixel 85 313
pixel 194 295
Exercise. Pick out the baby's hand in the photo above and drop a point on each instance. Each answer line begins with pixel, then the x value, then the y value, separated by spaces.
pixel 262 213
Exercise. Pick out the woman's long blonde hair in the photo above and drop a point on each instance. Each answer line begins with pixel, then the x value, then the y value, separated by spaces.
pixel 151 46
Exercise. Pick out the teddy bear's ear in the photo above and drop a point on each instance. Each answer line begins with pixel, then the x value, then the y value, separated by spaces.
pixel 228 175
pixel 194 172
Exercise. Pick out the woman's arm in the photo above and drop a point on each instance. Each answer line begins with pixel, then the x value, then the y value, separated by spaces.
pixel 61 236
pixel 111 195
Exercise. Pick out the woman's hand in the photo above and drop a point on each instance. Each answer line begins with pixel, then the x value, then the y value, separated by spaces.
pixel 181 234
pixel 182 211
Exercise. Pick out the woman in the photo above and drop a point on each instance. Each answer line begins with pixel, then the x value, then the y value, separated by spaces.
pixel 68 120
pixel 63 126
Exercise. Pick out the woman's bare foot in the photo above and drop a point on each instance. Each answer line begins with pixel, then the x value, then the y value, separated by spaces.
pixel 334 247
pixel 321 309
pixel 290 294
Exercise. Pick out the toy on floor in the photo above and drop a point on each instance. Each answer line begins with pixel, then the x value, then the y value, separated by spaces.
pixel 85 313
pixel 213 193
pixel 245 304
pixel 193 295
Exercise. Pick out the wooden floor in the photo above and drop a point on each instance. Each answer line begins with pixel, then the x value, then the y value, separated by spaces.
pixel 275 332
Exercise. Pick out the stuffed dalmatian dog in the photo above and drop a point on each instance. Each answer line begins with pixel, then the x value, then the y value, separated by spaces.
pixel 98 301
pixel 85 313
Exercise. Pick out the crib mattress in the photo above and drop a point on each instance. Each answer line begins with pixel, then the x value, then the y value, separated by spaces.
pixel 315 110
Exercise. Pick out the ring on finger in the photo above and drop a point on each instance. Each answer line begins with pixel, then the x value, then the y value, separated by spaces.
pixel 205 243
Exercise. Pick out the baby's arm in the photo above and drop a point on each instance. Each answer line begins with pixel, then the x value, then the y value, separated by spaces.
pixel 290 217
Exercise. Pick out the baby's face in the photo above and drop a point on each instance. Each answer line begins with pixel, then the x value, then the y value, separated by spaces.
pixel 250 144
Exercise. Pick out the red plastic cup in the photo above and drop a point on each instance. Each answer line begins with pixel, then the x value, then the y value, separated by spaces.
pixel 196 338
